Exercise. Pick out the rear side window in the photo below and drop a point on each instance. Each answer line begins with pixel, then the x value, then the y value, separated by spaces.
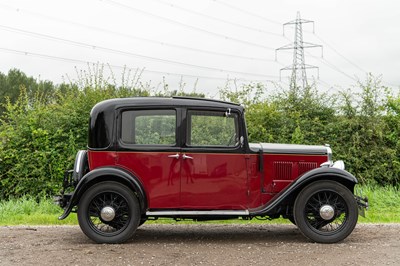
pixel 149 127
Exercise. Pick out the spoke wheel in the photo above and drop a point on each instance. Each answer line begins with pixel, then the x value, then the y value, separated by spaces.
pixel 108 213
pixel 326 212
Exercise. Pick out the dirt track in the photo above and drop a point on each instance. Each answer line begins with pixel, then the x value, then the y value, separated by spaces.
pixel 199 244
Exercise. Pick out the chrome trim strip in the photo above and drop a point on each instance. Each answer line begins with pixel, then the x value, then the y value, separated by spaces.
pixel 276 148
pixel 197 213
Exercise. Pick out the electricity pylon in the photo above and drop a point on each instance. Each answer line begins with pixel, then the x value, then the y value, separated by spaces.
pixel 299 66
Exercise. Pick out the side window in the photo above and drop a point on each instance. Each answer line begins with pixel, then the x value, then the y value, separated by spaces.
pixel 149 127
pixel 212 128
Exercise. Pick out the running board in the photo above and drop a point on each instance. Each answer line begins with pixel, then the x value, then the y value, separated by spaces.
pixel 199 213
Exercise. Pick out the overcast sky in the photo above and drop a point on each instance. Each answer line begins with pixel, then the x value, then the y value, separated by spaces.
pixel 206 41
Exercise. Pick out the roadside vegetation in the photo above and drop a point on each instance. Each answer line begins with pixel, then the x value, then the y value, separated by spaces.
pixel 42 125
pixel 385 208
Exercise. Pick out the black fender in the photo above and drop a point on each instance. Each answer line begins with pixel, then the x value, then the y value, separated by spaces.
pixel 106 174
pixel 322 173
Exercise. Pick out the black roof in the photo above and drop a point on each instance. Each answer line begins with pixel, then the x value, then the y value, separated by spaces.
pixel 160 101
pixel 102 114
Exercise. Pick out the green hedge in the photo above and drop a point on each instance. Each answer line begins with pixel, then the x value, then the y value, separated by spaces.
pixel 39 135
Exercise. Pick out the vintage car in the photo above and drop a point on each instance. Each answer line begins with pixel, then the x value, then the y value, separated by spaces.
pixel 190 158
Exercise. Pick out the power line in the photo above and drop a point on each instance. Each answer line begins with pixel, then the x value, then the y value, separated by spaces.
pixel 140 38
pixel 349 61
pixel 247 12
pixel 79 61
pixel 225 37
pixel 327 85
pixel 332 66
pixel 217 19
pixel 115 51
pixel 338 53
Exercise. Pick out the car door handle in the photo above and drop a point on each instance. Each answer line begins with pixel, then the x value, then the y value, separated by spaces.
pixel 184 156
pixel 176 156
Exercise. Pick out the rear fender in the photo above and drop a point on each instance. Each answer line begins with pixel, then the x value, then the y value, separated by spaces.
pixel 291 191
pixel 106 174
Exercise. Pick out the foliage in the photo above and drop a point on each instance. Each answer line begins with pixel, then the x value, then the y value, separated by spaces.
pixel 12 83
pixel 32 211
pixel 39 137
pixel 384 204
pixel 43 126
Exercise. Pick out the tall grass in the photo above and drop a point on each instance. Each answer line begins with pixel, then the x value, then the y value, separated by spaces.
pixel 384 208
pixel 384 204
pixel 28 211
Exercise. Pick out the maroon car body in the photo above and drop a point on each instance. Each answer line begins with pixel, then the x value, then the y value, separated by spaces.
pixel 187 158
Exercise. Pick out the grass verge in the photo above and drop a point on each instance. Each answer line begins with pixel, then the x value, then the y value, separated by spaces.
pixel 384 208
pixel 28 211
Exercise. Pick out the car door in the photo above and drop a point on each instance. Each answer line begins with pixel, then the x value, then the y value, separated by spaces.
pixel 213 168
pixel 149 149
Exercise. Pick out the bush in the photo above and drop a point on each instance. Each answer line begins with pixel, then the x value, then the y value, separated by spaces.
pixel 39 139
pixel 39 136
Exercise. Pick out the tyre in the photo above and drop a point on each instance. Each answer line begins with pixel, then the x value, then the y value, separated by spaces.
pixel 326 212
pixel 108 212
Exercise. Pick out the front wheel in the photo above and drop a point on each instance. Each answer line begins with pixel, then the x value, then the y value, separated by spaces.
pixel 108 212
pixel 326 211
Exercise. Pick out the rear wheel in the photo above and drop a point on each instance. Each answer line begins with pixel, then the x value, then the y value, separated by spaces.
pixel 109 212
pixel 326 212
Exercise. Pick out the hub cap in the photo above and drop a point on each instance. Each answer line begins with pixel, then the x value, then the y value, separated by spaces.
pixel 327 212
pixel 107 214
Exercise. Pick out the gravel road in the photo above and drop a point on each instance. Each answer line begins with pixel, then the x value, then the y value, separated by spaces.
pixel 199 244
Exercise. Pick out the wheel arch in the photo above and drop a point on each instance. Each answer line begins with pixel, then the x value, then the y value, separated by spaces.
pixel 287 196
pixel 107 174
pixel 341 177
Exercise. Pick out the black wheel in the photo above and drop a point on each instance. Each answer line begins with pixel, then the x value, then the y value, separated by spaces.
pixel 326 212
pixel 108 212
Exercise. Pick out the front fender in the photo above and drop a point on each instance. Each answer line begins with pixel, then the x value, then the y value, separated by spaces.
pixel 322 173
pixel 103 174
pixel 326 171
